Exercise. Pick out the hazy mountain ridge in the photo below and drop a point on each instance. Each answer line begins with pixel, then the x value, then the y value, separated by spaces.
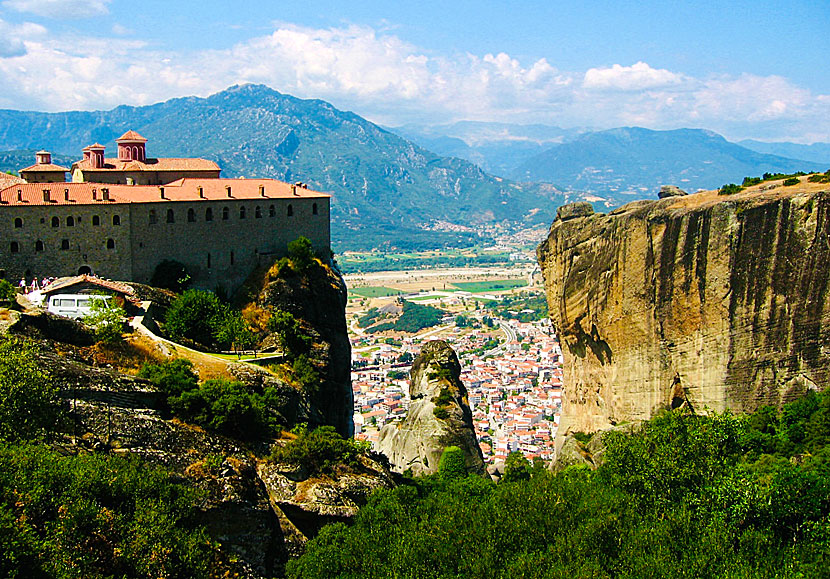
pixel 379 181
pixel 816 152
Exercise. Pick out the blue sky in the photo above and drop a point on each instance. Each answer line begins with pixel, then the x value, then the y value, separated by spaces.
pixel 744 69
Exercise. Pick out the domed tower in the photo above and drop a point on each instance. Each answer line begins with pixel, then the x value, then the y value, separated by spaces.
pixel 131 147
pixel 95 155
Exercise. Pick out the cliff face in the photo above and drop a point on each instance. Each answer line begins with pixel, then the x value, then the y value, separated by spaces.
pixel 714 302
pixel 439 416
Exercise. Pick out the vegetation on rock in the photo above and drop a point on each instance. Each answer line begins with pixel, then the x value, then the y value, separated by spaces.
pixel 319 451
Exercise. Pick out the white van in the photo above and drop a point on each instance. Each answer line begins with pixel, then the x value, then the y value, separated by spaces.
pixel 74 306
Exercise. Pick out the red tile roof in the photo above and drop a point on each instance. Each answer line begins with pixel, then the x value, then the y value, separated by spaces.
pixel 163 164
pixel 7 180
pixel 131 136
pixel 44 168
pixel 181 190
pixel 63 283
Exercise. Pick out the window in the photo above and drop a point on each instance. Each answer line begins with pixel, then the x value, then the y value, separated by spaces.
pixel 208 261
pixel 70 221
pixel 96 221
pixel 231 258
pixel 170 217
pixel 242 212
pixel 55 222
pixel 314 209
pixel 208 214
pixel 272 211
pixel 15 247
pixel 225 213
pixel 110 243
pixel 116 220
pixel 257 212
pixel 18 222
pixel 191 215
pixel 153 218
pixel 64 244
pixel 38 245
pixel 290 210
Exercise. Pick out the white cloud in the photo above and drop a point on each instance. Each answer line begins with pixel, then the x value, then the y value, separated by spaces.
pixel 638 76
pixel 388 80
pixel 60 8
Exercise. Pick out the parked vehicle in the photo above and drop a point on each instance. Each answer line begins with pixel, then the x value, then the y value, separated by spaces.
pixel 75 306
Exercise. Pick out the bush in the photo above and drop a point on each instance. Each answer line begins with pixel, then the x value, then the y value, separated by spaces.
pixel 293 338
pixel 28 396
pixel 452 464
pixel 320 451
pixel 730 189
pixel 791 181
pixel 8 293
pixel 440 412
pixel 195 315
pixel 173 377
pixel 301 254
pixel 108 321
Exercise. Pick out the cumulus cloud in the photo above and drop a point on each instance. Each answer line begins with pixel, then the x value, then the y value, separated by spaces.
pixel 388 80
pixel 638 76
pixel 60 8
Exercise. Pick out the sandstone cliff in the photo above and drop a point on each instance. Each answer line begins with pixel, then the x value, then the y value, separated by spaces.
pixel 710 301
pixel 439 416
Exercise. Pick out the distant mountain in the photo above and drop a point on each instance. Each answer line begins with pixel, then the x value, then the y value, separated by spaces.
pixel 638 161
pixel 16 160
pixel 386 189
pixel 496 147
pixel 817 152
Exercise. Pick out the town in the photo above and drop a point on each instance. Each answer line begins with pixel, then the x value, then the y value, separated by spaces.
pixel 511 365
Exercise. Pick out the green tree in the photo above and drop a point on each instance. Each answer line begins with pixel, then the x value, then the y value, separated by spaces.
pixel 516 467
pixel 195 315
pixel 294 340
pixel 234 331
pixel 320 450
pixel 108 320
pixel 173 377
pixel 8 293
pixel 28 396
pixel 452 464
pixel 301 253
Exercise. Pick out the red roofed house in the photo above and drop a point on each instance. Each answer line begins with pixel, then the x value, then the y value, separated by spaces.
pixel 121 226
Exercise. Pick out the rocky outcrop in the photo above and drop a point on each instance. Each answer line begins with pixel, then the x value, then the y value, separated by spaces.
pixel 317 297
pixel 670 191
pixel 706 301
pixel 439 416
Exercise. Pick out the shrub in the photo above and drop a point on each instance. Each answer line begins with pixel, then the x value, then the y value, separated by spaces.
pixel 516 467
pixel 8 293
pixel 173 377
pixel 196 315
pixel 730 189
pixel 28 396
pixel 293 338
pixel 452 464
pixel 107 319
pixel 301 254
pixel 440 412
pixel 791 181
pixel 320 451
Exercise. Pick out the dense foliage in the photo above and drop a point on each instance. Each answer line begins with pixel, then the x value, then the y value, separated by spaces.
pixel 96 516
pixel 319 451
pixel 202 318
pixel 685 496
pixel 415 317
pixel 28 397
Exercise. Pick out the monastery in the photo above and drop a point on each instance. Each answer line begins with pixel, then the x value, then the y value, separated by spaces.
pixel 120 217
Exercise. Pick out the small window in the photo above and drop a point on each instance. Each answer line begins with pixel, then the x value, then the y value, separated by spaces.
pixel 96 221
pixel 70 221
pixel 55 222
pixel 191 215
pixel 242 212
pixel 170 217
pixel 116 220
pixel 208 261
pixel 15 247
pixel 208 214
pixel 225 213
pixel 231 258
pixel 257 212
pixel 110 243
pixel 83 303
pixel 272 211
pixel 290 210
pixel 153 218
pixel 314 209
pixel 64 244
pixel 38 245
pixel 18 223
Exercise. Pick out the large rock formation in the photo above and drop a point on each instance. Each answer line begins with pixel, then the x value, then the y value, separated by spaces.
pixel 711 301
pixel 439 416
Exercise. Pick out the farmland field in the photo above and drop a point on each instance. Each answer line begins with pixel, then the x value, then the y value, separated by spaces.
pixel 478 287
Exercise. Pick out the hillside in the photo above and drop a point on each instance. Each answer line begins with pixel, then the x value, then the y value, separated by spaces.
pixel 634 162
pixel 386 190
pixel 817 152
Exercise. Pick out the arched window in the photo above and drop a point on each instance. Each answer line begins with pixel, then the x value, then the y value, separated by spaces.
pixel 55 222
pixel 18 222
pixel 272 211
pixel 15 247
pixel 70 221
pixel 290 210
pixel 191 215
pixel 242 212
pixel 64 244
pixel 170 217
pixel 96 221
pixel 257 212
pixel 314 209
pixel 38 245
pixel 116 220
pixel 153 218
pixel 225 213
pixel 110 243
pixel 208 214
